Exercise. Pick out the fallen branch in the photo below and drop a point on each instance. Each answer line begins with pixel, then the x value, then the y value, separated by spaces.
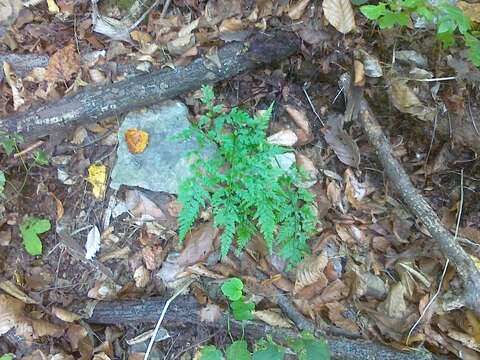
pixel 99 102
pixel 417 204
pixel 185 312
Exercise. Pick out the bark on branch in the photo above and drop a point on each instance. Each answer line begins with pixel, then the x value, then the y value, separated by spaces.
pixel 99 102
pixel 185 309
pixel 417 204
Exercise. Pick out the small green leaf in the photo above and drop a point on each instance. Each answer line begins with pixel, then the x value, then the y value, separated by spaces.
pixel 6 357
pixel 211 352
pixel 242 310
pixel 232 289
pixel 29 229
pixel 359 2
pixel 373 12
pixel 271 352
pixel 310 348
pixel 238 350
pixel 41 158
pixel 425 12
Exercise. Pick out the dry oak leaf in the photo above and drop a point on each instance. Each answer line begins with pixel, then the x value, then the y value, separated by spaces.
pixel 310 271
pixel 63 65
pixel 137 140
pixel 11 310
pixel 339 14
pixel 272 318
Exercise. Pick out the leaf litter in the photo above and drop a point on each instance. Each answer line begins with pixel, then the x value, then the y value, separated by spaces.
pixel 366 249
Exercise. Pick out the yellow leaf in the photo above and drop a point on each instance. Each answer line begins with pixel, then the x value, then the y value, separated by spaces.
pixel 137 140
pixel 52 6
pixel 97 176
pixel 339 14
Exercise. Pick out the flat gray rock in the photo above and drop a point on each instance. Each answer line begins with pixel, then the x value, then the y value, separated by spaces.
pixel 163 166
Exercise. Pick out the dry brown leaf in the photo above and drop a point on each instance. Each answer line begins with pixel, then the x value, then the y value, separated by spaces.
pixel 46 328
pixel 471 9
pixel 283 138
pixel 335 291
pixel 141 277
pixel 316 288
pixel 395 305
pixel 63 65
pixel 334 194
pixel 299 117
pixel 141 207
pixel 199 244
pixel 14 291
pixel 210 313
pixel 272 318
pixel 11 310
pixel 16 84
pixel 406 101
pixel 103 290
pixel 5 237
pixel 296 11
pixel 310 271
pixel 231 24
pixel 59 207
pixel 65 315
pixel 359 71
pixel 152 257
pixel 354 190
pixel 339 14
pixel 342 144
pixel 75 333
pixel 335 314
pixel 117 253
pixel 202 270
pixel 311 172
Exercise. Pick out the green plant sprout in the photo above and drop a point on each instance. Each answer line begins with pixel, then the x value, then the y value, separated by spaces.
pixel 248 191
pixel 30 228
pixel 448 19
pixel 233 290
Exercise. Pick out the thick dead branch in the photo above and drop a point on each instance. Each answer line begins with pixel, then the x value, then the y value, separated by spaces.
pixel 99 102
pixel 184 312
pixel 417 204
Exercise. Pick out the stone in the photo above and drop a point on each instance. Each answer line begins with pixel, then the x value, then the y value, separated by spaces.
pixel 164 164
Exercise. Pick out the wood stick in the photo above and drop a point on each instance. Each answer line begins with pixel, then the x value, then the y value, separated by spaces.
pixel 419 206
pixel 98 102
pixel 185 312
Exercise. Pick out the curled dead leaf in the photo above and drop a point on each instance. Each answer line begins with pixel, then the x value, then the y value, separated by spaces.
pixel 283 138
pixel 272 318
pixel 310 271
pixel 65 315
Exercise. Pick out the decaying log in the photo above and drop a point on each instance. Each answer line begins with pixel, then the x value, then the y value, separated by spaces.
pixel 98 102
pixel 184 311
pixel 418 205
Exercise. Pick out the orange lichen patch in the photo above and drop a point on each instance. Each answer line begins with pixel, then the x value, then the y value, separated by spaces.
pixel 137 140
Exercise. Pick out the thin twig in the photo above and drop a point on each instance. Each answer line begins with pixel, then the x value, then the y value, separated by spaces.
pixel 162 315
pixel 28 149
pixel 312 106
pixel 436 79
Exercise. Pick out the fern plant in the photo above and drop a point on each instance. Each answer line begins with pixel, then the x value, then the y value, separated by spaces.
pixel 246 188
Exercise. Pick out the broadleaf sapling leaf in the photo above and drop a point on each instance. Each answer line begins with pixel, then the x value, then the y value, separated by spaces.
pixel 210 352
pixel 238 350
pixel 242 310
pixel 232 289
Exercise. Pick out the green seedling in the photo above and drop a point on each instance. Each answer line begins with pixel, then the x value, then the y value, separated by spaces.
pixel 242 182
pixel 30 228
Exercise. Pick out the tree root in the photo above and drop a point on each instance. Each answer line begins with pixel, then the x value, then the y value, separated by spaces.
pixel 448 244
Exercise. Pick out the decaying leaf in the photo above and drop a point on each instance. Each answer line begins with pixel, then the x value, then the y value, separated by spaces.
pixel 395 305
pixel 354 190
pixel 11 289
pixel 137 140
pixel 272 318
pixel 103 290
pixel 93 243
pixel 97 176
pixel 65 315
pixel 210 313
pixel 63 65
pixel 283 138
pixel 10 311
pixel 199 244
pixel 45 328
pixel 310 271
pixel 296 11
pixel 16 84
pixel 141 277
pixel 339 14
pixel 306 165
pixel 406 101
pixel 342 144
pixel 141 207
pixel 303 132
